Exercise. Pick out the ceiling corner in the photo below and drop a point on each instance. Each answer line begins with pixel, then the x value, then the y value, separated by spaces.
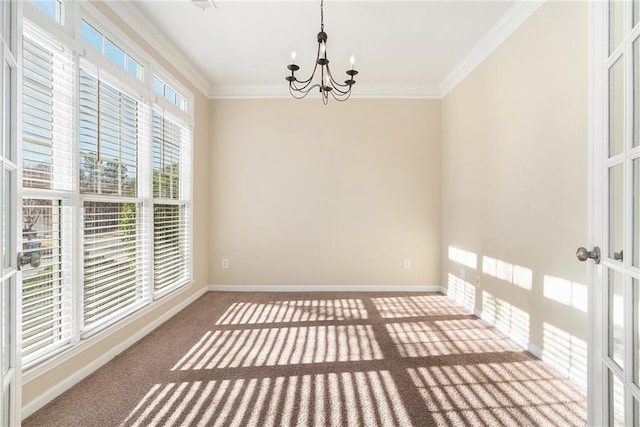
pixel 513 19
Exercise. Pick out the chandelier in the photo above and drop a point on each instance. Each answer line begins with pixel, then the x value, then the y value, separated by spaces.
pixel 327 85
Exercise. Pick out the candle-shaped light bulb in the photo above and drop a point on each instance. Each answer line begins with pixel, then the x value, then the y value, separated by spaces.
pixel 352 60
pixel 293 57
pixel 327 79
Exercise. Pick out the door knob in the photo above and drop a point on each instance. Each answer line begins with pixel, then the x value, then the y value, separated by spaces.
pixel 583 254
pixel 32 259
pixel 618 256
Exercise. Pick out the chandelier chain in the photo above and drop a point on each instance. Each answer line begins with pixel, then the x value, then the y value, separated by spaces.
pixel 322 15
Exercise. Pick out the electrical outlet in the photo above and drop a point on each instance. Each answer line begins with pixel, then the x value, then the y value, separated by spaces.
pixel 407 264
pixel 225 263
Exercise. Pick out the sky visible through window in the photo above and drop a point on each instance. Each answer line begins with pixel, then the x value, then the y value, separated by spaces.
pixel 105 46
pixel 167 92
pixel 50 7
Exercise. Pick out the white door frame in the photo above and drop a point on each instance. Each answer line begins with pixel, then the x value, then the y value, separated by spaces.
pixel 596 388
pixel 11 50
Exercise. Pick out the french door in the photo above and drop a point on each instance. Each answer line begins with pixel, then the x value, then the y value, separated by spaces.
pixel 9 220
pixel 614 337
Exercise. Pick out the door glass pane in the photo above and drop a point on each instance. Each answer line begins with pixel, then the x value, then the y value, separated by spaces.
pixel 616 105
pixel 6 325
pixel 6 113
pixel 6 20
pixel 7 243
pixel 616 401
pixel 636 11
pixel 615 212
pixel 636 92
pixel 616 23
pixel 616 317
pixel 636 331
pixel 635 236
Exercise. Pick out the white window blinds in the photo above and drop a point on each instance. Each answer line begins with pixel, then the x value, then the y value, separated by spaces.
pixel 171 156
pixel 170 246
pixel 46 300
pixel 48 121
pixel 47 159
pixel 111 122
pixel 113 273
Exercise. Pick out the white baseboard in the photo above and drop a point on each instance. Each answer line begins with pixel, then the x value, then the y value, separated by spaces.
pixel 325 288
pixel 84 372
pixel 528 346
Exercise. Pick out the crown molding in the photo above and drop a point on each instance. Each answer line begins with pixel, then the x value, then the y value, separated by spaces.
pixel 140 24
pixel 513 18
pixel 359 92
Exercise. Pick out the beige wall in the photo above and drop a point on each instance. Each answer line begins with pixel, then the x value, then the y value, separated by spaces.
pixel 97 347
pixel 514 199
pixel 305 194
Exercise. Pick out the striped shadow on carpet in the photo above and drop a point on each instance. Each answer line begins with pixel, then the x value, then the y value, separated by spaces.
pixel 320 359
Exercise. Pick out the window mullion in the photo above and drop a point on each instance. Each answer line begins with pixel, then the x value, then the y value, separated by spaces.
pixel 77 218
pixel 146 193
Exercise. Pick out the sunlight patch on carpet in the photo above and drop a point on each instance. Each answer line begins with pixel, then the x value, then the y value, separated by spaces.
pixel 281 346
pixel 368 398
pixel 247 313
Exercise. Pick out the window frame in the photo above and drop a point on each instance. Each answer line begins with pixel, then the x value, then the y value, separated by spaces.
pixel 185 199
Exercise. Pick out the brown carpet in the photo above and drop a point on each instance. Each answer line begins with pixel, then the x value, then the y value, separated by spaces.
pixel 320 359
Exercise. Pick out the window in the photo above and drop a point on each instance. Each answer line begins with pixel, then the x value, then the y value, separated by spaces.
pixel 52 8
pixel 170 94
pixel 113 275
pixel 112 51
pixel 170 205
pixel 106 192
pixel 46 146
pixel 109 131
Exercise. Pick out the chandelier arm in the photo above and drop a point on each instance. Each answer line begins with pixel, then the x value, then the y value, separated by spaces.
pixel 337 87
pixel 297 88
pixel 341 99
pixel 305 92
pixel 293 93
pixel 308 81
pixel 335 84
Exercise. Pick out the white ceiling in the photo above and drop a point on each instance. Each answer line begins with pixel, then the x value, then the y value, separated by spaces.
pixel 243 47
